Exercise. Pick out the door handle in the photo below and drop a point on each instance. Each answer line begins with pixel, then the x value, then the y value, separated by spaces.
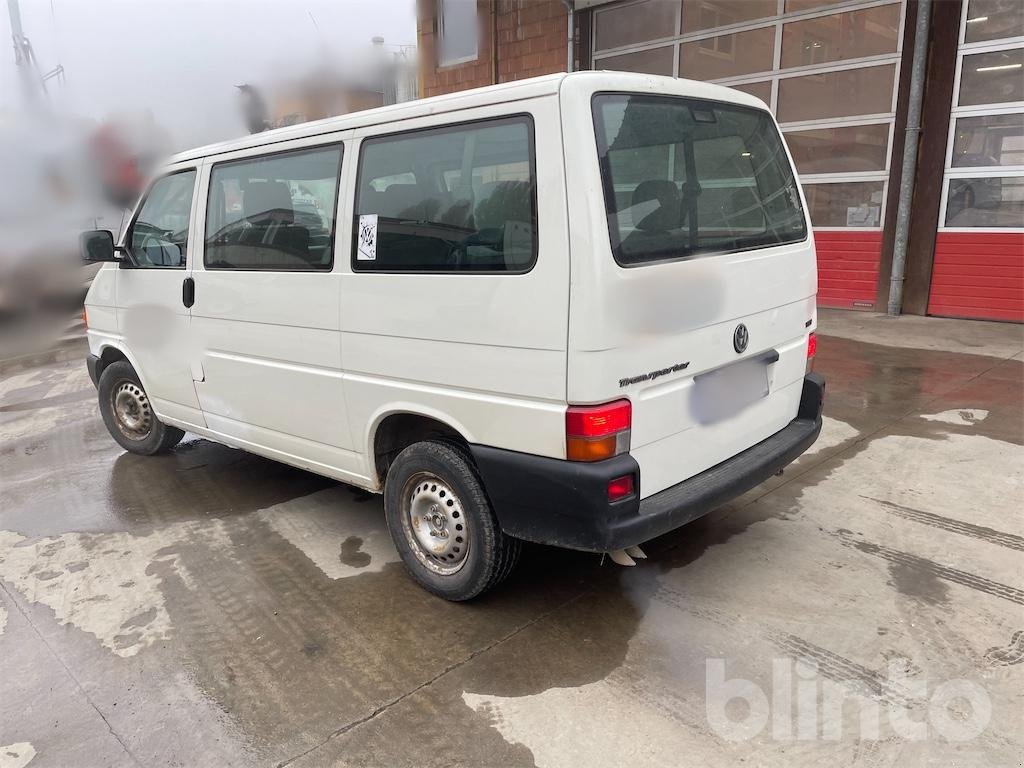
pixel 188 292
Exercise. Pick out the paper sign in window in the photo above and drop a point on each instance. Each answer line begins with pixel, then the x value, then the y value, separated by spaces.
pixel 862 216
pixel 367 238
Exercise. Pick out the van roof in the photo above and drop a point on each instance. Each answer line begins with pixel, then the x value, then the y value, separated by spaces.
pixel 477 97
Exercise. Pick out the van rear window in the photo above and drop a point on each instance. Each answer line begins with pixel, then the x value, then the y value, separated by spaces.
pixel 684 177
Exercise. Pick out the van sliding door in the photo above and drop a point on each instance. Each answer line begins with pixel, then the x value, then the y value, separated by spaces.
pixel 267 306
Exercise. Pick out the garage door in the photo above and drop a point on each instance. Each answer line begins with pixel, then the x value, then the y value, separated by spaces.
pixel 830 76
pixel 978 271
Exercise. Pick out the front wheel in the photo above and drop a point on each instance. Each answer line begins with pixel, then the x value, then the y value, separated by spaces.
pixel 127 412
pixel 442 523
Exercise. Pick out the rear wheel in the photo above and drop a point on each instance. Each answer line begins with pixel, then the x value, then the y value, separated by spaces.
pixel 128 414
pixel 442 523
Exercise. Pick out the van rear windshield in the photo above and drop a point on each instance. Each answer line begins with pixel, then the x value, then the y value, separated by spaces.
pixel 684 177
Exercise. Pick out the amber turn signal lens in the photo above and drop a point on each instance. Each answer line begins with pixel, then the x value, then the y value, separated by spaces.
pixel 590 449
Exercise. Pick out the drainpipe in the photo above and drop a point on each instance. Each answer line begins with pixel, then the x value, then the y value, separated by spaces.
pixel 910 145
pixel 494 42
pixel 571 52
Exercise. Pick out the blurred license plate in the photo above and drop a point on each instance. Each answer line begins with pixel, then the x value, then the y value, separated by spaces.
pixel 725 391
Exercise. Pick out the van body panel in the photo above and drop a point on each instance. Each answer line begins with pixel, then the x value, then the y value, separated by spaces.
pixel 568 506
pixel 487 348
pixel 650 332
pixel 268 345
pixel 258 365
pixel 140 312
pixel 303 361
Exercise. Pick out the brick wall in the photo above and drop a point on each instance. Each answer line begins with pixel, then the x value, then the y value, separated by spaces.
pixel 531 41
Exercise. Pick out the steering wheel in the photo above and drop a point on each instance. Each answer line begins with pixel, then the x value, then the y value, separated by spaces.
pixel 154 241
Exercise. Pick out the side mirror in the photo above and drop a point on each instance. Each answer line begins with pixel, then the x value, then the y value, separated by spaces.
pixel 97 245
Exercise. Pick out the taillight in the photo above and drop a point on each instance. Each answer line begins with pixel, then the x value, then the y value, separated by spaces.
pixel 595 432
pixel 620 488
pixel 812 350
pixel 85 317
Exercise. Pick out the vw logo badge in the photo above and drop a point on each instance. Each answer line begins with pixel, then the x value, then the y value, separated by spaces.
pixel 740 337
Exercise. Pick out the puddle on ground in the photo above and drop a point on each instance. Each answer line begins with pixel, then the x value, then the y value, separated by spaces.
pixel 16 755
pixel 108 585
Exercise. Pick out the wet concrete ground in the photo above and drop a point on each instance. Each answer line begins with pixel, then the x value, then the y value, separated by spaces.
pixel 213 608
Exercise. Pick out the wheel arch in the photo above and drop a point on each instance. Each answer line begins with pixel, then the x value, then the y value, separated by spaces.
pixel 111 351
pixel 394 428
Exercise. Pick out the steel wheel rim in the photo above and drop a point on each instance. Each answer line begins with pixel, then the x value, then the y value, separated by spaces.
pixel 435 524
pixel 132 413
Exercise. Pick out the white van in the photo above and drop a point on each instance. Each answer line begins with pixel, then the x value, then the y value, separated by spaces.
pixel 576 310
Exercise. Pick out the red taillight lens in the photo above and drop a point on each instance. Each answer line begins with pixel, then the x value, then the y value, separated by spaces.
pixel 595 432
pixel 812 350
pixel 85 317
pixel 620 488
pixel 598 420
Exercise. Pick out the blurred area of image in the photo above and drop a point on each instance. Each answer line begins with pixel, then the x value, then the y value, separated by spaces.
pixel 95 95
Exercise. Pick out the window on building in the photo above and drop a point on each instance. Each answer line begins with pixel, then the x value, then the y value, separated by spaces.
pixel 761 90
pixel 617 26
pixel 274 212
pixel 841 36
pixel 709 14
pixel 795 6
pixel 987 130
pixel 653 61
pixel 454 199
pixel 989 202
pixel 845 204
pixel 843 93
pixel 989 140
pixel 730 55
pixel 837 109
pixel 683 178
pixel 845 149
pixel 993 20
pixel 993 77
pixel 456 31
pixel 159 234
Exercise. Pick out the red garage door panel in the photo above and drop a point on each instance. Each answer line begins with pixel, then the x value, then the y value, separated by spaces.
pixel 848 268
pixel 978 275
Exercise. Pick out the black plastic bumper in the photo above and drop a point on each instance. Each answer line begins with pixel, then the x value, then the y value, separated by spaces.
pixel 565 503
pixel 93 364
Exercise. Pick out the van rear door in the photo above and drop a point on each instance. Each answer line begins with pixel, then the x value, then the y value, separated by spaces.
pixel 693 294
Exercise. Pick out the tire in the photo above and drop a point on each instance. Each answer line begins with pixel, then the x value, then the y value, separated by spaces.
pixel 442 523
pixel 128 415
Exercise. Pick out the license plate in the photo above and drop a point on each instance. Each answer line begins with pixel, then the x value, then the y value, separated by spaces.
pixel 725 391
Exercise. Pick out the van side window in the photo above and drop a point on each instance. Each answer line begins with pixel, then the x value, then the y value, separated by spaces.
pixel 159 234
pixel 455 199
pixel 274 212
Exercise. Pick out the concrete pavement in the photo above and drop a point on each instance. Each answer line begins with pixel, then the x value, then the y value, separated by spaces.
pixel 210 607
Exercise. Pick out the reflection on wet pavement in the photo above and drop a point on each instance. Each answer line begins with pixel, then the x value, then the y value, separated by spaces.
pixel 211 607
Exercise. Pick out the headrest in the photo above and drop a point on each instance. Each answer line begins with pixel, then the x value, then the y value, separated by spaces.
pixel 502 201
pixel 401 201
pixel 262 197
pixel 661 211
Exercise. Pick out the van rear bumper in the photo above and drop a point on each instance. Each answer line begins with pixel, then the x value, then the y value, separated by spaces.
pixel 565 503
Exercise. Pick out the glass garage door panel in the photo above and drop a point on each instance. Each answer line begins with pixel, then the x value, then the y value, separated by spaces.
pixel 846 93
